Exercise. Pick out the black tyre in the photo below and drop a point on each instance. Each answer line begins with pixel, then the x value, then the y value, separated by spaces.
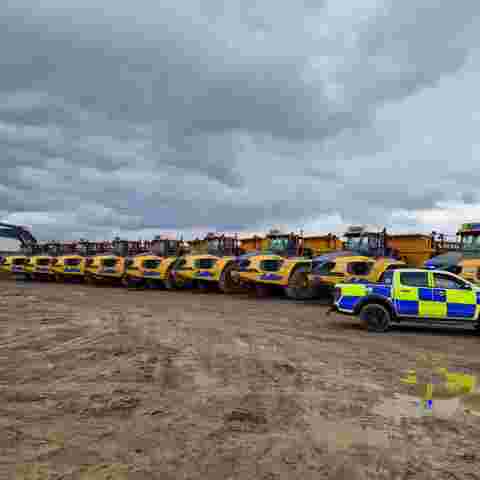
pixel 170 282
pixel 204 287
pixel 376 316
pixel 227 283
pixel 298 285
pixel 262 290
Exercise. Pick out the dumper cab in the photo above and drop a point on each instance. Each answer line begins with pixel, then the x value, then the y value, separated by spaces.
pixel 106 268
pixel 210 263
pixel 153 266
pixel 283 266
pixel 14 265
pixel 366 256
pixel 464 260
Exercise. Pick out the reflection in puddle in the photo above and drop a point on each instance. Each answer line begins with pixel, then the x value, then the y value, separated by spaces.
pixel 435 392
pixel 345 434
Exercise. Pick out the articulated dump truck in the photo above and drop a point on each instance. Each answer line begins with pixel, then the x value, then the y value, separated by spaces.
pixel 283 262
pixel 368 253
pixel 461 257
pixel 210 264
pixel 154 267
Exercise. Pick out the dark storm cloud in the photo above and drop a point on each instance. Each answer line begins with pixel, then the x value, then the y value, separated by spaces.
pixel 172 114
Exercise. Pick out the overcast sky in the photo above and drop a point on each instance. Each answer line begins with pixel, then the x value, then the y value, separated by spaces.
pixel 136 118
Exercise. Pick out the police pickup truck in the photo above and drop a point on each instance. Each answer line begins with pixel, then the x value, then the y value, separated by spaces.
pixel 410 295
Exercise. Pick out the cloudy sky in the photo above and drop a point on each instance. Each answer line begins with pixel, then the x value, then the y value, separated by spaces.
pixel 150 116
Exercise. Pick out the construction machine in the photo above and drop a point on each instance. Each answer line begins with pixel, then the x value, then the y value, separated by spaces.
pixel 461 256
pixel 16 243
pixel 210 263
pixel 283 263
pixel 152 264
pixel 366 255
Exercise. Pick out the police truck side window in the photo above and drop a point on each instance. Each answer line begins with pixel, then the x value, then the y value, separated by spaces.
pixel 414 279
pixel 446 281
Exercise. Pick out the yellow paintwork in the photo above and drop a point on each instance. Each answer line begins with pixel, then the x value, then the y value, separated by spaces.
pixel 470 268
pixel 189 270
pixel 257 275
pixel 340 268
pixel 138 271
pixel 33 268
pixel 414 249
pixel 7 265
pixel 59 267
pixel 453 384
pixel 97 270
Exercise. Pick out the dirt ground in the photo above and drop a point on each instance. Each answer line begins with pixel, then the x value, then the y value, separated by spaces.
pixel 104 383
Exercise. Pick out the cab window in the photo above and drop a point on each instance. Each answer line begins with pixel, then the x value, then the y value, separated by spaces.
pixel 359 268
pixel 323 268
pixel 387 277
pixel 414 279
pixel 442 280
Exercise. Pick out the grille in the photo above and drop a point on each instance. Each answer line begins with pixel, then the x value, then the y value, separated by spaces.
pixel 204 263
pixel 271 265
pixel 20 261
pixel 109 262
pixel 72 261
pixel 151 264
pixel 43 262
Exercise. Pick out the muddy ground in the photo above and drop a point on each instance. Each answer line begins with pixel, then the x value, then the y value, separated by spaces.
pixel 104 383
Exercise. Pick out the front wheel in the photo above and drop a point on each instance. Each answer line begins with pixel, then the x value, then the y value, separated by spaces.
pixel 298 287
pixel 262 290
pixel 376 316
pixel 229 283
pixel 170 282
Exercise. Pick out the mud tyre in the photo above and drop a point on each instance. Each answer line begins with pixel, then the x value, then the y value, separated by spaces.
pixel 227 283
pixel 262 291
pixel 170 283
pixel 298 286
pixel 376 317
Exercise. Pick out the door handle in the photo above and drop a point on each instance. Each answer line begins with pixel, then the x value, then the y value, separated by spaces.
pixel 405 290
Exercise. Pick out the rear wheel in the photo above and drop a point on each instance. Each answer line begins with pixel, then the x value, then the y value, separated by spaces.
pixel 298 285
pixel 227 283
pixel 376 316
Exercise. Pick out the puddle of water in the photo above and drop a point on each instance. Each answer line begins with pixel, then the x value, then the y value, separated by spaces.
pixel 343 435
pixel 448 394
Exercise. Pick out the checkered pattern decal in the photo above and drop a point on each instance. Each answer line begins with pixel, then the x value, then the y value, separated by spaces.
pixel 422 302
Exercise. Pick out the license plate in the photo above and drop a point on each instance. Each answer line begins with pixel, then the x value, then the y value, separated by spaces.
pixel 108 270
pixel 42 269
pixel 17 269
pixel 71 270
pixel 151 274
pixel 204 274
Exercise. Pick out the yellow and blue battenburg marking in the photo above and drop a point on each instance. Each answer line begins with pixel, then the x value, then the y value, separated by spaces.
pixel 421 301
pixel 352 293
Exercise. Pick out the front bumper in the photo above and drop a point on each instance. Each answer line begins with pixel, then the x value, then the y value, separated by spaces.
pixel 203 275
pixel 269 278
